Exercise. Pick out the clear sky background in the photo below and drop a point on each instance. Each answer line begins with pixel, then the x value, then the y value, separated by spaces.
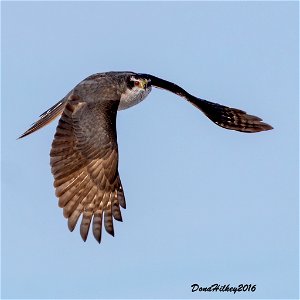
pixel 204 205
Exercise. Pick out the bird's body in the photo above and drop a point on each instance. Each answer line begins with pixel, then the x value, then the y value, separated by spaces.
pixel 84 153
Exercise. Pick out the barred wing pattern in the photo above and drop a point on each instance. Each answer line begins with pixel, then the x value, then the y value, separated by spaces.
pixel 230 118
pixel 84 163
pixel 223 116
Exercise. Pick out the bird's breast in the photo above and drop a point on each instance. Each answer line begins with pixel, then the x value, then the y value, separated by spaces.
pixel 132 97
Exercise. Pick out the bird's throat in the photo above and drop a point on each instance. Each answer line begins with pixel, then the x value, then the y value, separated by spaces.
pixel 132 97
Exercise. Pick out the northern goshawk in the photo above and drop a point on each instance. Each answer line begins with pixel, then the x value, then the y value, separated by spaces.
pixel 84 153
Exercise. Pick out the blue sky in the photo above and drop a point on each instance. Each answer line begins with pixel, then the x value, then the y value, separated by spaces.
pixel 204 205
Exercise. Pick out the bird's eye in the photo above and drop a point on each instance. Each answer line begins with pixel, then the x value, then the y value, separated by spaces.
pixel 136 83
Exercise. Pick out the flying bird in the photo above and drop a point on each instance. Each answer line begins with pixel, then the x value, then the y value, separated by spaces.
pixel 84 152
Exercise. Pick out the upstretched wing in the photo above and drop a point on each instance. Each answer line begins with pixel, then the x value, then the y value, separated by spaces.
pixel 84 163
pixel 226 117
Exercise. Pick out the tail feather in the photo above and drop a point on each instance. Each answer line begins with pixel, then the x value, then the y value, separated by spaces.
pixel 230 118
pixel 46 117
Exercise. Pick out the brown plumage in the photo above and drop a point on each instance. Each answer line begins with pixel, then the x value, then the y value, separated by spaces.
pixel 84 163
pixel 84 153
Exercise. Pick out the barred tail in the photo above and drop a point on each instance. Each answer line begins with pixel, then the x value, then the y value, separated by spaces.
pixel 46 117
pixel 230 118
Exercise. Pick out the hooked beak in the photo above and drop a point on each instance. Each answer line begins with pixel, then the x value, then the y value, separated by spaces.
pixel 145 83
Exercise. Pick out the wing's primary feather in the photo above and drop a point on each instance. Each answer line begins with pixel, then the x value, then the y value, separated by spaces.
pixel 223 116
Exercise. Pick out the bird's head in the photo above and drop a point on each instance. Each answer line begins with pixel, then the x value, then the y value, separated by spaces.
pixel 138 82
pixel 137 89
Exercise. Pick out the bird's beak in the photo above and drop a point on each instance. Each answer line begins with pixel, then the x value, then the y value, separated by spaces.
pixel 144 83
